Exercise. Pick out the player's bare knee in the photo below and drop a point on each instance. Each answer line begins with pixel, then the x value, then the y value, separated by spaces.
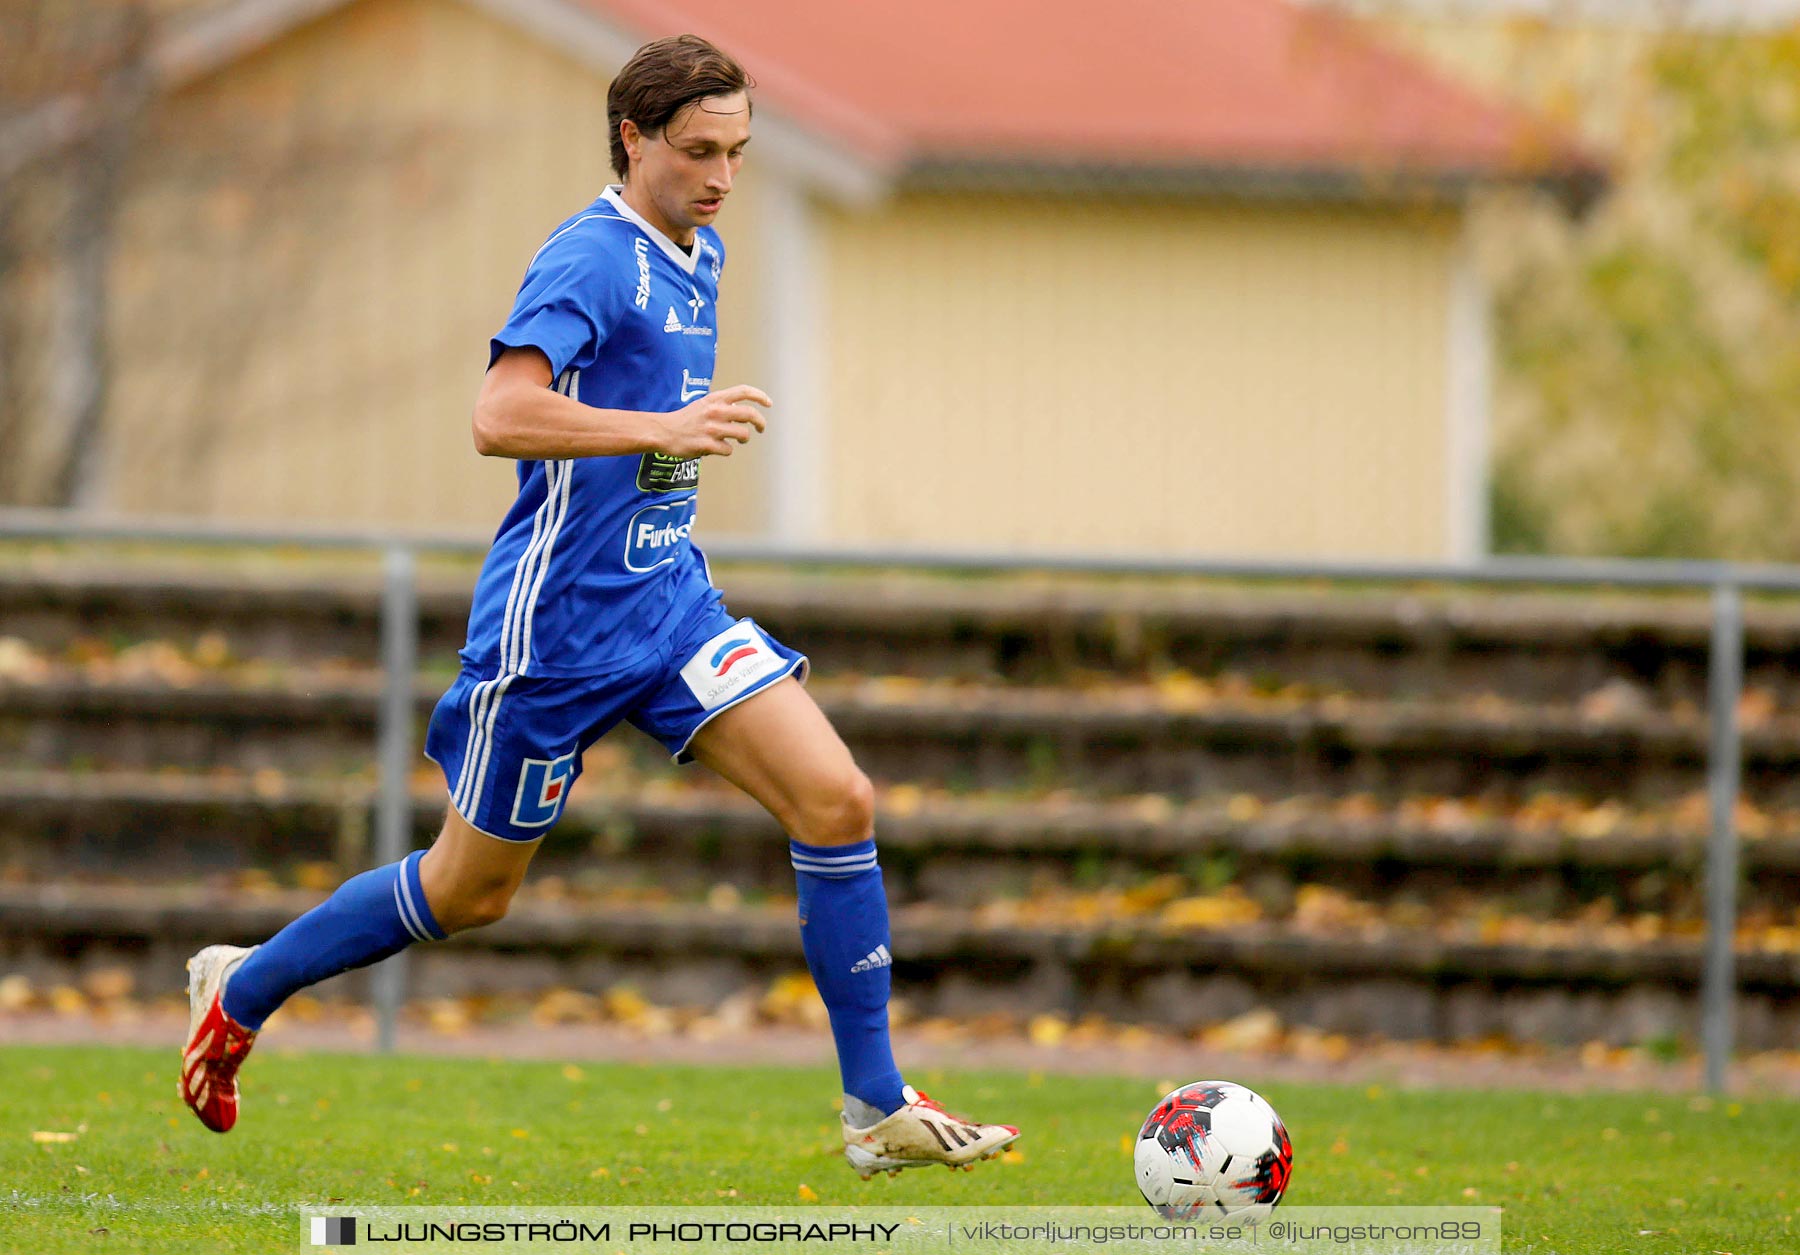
pixel 840 813
pixel 489 910
pixel 859 806
pixel 474 913
pixel 475 905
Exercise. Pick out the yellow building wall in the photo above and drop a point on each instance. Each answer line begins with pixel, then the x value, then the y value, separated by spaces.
pixel 320 238
pixel 317 243
pixel 1139 377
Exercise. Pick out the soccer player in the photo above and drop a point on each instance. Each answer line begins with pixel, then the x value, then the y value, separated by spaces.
pixel 594 606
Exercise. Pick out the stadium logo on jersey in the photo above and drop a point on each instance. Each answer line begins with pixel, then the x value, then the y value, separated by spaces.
pixel 658 472
pixel 731 664
pixel 693 387
pixel 641 247
pixel 656 532
pixel 543 788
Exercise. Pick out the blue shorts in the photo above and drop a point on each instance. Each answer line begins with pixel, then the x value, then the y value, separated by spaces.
pixel 511 745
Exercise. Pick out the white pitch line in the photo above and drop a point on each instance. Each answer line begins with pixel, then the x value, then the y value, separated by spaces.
pixel 162 1207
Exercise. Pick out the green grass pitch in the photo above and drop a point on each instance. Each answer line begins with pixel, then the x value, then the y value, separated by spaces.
pixel 1575 1173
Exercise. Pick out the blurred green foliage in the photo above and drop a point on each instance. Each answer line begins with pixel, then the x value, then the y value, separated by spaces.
pixel 1649 354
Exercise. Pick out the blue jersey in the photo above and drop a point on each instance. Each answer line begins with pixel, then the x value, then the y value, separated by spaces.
pixel 594 557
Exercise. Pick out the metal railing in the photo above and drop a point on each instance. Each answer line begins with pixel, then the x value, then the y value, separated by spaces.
pixel 400 633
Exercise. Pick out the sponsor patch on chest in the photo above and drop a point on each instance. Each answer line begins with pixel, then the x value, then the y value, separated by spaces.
pixel 658 472
pixel 730 664
pixel 655 533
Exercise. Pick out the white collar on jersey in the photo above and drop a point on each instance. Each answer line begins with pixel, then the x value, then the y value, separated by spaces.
pixel 680 256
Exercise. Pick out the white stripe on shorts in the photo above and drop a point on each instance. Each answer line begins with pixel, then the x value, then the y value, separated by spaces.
pixel 478 707
pixel 473 806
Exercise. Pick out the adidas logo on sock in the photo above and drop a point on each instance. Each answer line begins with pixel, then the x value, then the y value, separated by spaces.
pixel 878 957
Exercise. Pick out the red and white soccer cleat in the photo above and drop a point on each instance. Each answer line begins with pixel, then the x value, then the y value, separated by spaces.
pixel 919 1134
pixel 216 1043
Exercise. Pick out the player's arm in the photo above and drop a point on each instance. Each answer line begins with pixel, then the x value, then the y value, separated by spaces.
pixel 519 415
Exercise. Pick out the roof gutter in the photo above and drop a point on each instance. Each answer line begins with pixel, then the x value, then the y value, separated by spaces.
pixel 1577 185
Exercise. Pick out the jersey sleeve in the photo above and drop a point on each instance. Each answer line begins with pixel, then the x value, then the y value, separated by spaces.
pixel 567 306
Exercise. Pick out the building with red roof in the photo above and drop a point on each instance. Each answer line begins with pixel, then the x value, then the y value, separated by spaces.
pixel 1170 276
pixel 1221 95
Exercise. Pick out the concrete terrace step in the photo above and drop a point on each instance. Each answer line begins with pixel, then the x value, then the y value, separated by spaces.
pixel 962 711
pixel 1122 741
pixel 1021 627
pixel 155 819
pixel 1398 984
pixel 924 935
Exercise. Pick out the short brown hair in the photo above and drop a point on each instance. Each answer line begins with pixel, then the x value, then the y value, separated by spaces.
pixel 664 77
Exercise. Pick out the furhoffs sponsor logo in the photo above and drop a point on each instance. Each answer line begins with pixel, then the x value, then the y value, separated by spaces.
pixel 656 533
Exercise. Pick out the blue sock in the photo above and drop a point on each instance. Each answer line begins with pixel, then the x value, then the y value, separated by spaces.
pixel 844 931
pixel 371 916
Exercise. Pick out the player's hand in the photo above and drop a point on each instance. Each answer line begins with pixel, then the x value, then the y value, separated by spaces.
pixel 716 423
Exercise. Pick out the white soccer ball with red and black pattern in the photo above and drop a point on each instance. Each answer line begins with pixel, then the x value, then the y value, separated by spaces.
pixel 1213 1149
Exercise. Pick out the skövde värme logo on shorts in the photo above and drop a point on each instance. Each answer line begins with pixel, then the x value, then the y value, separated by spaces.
pixel 732 652
pixel 655 533
pixel 730 665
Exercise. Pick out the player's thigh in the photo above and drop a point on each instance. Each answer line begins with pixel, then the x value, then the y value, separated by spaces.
pixel 778 746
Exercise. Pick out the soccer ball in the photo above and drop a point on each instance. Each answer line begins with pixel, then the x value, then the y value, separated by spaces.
pixel 1213 1149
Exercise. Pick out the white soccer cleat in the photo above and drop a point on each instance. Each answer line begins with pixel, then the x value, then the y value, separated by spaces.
pixel 919 1134
pixel 216 1043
